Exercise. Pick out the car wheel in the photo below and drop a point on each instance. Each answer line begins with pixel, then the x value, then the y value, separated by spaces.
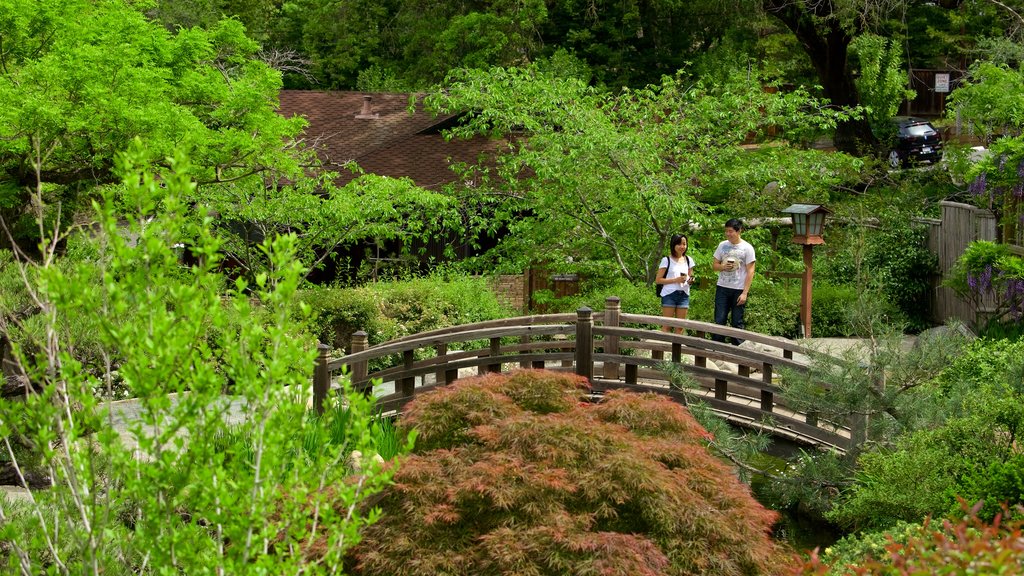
pixel 894 160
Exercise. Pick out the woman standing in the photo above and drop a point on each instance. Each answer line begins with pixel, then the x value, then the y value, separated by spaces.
pixel 675 274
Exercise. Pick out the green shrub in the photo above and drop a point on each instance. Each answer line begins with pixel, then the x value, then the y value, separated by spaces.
pixel 962 544
pixel 927 470
pixel 1000 482
pixel 389 310
pixel 982 364
pixel 335 313
pixel 893 260
pixel 772 308
pixel 857 548
pixel 905 270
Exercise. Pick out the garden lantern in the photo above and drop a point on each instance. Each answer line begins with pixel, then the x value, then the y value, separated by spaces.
pixel 808 222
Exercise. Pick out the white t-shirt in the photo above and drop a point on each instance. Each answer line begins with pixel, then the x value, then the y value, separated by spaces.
pixel 743 252
pixel 675 270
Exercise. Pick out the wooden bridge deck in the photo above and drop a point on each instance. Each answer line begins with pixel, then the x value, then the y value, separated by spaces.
pixel 612 350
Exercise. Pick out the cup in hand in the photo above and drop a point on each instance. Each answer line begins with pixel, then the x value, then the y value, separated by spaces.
pixel 730 263
pixel 682 278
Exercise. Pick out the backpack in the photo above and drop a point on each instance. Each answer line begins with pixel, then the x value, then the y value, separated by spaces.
pixel 658 287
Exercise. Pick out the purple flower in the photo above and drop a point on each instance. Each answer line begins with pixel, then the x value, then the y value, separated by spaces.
pixel 977 187
pixel 985 280
pixel 1018 190
pixel 1020 169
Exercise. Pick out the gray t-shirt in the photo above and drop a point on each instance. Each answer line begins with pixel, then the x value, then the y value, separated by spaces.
pixel 743 252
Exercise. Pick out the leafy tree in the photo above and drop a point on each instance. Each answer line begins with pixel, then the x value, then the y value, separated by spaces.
pixel 82 90
pixel 169 496
pixel 989 103
pixel 513 473
pixel 604 179
pixel 882 83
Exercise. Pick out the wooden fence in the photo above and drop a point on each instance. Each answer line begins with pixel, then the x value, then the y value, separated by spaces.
pixel 948 238
pixel 611 349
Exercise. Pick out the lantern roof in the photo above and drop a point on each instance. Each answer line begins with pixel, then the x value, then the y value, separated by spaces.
pixel 806 209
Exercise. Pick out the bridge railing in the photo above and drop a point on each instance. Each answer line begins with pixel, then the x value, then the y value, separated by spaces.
pixel 611 349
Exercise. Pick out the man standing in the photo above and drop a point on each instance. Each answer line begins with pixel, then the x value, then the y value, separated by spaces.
pixel 734 262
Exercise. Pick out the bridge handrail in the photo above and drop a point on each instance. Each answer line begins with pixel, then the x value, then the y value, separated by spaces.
pixel 564 318
pixel 725 351
pixel 609 343
pixel 698 326
pixel 448 337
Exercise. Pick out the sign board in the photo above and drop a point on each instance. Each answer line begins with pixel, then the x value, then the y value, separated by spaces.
pixel 942 82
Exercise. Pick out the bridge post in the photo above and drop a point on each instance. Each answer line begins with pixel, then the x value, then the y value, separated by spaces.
pixel 495 352
pixel 321 377
pixel 408 384
pixel 441 350
pixel 524 340
pixel 585 342
pixel 612 309
pixel 358 370
pixel 767 397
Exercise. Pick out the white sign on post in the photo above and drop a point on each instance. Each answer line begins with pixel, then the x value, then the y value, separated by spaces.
pixel 942 82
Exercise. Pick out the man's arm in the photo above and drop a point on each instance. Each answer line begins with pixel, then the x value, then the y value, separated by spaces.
pixel 746 284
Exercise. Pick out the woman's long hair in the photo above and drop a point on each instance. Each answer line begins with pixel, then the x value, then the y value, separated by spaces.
pixel 676 240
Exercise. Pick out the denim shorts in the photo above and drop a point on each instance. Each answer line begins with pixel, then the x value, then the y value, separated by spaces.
pixel 677 299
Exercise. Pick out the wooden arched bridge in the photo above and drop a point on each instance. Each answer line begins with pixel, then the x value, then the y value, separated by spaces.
pixel 611 349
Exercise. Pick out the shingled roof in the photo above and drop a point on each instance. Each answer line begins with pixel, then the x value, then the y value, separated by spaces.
pixel 377 132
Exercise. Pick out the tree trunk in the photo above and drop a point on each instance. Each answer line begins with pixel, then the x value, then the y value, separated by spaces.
pixel 827 43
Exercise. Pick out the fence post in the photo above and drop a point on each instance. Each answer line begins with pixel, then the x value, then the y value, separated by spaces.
pixel 612 309
pixel 321 378
pixel 358 370
pixel 585 342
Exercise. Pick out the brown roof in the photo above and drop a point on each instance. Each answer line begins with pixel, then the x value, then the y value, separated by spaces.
pixel 389 141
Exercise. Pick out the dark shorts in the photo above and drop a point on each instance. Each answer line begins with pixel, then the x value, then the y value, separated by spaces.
pixel 677 299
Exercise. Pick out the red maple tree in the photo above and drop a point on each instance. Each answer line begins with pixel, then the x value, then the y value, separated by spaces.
pixel 517 474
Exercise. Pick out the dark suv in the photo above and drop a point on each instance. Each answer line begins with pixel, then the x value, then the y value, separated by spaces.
pixel 916 141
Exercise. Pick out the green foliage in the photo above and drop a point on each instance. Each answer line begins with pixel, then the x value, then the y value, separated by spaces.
pixel 389 310
pixel 162 495
pixel 982 364
pixel 82 90
pixel 973 454
pixel 926 471
pixel 898 262
pixel 882 82
pixel 856 548
pixel 330 436
pixel 613 175
pixel 994 485
pixel 879 389
pixel 623 486
pixel 772 308
pixel 906 483
pixel 989 100
pixel 992 279
pixel 962 544
pixel 831 308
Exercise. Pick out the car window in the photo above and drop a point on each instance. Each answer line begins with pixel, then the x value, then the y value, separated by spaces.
pixel 918 130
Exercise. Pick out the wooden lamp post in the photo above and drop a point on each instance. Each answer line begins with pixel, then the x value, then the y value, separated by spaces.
pixel 808 221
